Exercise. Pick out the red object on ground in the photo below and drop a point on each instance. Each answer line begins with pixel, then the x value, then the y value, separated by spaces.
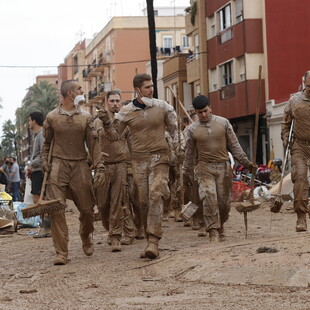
pixel 237 189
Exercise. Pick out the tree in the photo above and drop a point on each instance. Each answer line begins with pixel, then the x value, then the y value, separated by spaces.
pixel 10 139
pixel 42 97
pixel 152 39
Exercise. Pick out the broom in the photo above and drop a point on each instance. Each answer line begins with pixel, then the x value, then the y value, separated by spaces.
pixel 278 202
pixel 44 206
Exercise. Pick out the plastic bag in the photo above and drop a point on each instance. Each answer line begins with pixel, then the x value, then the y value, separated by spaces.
pixel 32 222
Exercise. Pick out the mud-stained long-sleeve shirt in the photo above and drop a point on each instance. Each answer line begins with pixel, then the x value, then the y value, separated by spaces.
pixel 35 160
pixel 147 126
pixel 71 131
pixel 211 141
pixel 116 150
pixel 298 107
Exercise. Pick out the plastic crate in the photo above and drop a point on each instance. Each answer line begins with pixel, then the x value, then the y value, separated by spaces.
pixel 237 189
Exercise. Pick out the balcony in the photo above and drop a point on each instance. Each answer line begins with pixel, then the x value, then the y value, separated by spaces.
pixel 225 35
pixel 192 67
pixel 228 91
pixel 86 72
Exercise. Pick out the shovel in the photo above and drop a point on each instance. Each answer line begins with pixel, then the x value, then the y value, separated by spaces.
pixel 278 201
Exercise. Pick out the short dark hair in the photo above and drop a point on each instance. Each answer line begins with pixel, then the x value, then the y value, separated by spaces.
pixel 14 159
pixel 200 102
pixel 38 117
pixel 65 86
pixel 140 78
pixel 113 92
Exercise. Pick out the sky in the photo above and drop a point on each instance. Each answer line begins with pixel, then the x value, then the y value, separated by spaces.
pixel 38 33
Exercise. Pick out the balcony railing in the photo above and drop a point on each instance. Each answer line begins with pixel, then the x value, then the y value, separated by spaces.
pixel 225 35
pixel 228 91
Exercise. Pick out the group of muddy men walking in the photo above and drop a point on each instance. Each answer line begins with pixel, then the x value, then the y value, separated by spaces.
pixel 124 159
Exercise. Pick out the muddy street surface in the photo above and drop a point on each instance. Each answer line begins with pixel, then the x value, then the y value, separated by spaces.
pixel 191 273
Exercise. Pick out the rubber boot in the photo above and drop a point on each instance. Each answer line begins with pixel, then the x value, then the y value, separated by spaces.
pixel 301 224
pixel 214 236
pixel 151 250
pixel 88 246
pixel 116 243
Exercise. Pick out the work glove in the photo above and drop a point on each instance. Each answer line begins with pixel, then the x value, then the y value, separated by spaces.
pixel 188 179
pixel 99 178
pixel 45 166
pixel 251 166
pixel 103 115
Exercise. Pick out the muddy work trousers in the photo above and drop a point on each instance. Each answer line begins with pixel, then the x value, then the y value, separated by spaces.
pixel 111 197
pixel 214 187
pixel 74 177
pixel 129 228
pixel 151 172
pixel 299 174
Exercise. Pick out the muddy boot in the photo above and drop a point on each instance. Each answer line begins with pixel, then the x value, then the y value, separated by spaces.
pixel 222 234
pixel 142 254
pixel 88 246
pixel 151 250
pixel 127 240
pixel 165 217
pixel 202 232
pixel 177 216
pixel 116 243
pixel 214 236
pixel 187 223
pixel 140 234
pixel 60 260
pixel 195 225
pixel 109 240
pixel 301 224
pixel 171 214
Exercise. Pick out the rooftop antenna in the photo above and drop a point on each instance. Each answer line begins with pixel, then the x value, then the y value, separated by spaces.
pixel 80 34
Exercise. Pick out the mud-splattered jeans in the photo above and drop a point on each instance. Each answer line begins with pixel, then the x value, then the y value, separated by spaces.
pixel 151 172
pixel 300 167
pixel 214 187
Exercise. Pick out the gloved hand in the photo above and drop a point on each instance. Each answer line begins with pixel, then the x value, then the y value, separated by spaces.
pixel 99 177
pixel 251 166
pixel 188 179
pixel 45 166
pixel 103 115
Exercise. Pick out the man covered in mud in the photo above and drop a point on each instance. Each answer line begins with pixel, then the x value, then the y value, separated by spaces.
pixel 148 118
pixel 66 130
pixel 112 196
pixel 211 137
pixel 298 108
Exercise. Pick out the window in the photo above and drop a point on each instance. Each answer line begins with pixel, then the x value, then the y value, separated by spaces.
pixel 212 26
pixel 213 80
pixel 196 46
pixel 76 64
pixel 155 12
pixel 225 17
pixel 198 90
pixel 239 11
pixel 240 69
pixel 226 73
pixel 185 42
pixel 167 42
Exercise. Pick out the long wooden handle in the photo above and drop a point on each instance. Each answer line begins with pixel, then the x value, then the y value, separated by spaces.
pixel 46 173
pixel 256 124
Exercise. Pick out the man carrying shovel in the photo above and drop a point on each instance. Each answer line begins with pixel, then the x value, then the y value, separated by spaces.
pixel 298 109
pixel 212 137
